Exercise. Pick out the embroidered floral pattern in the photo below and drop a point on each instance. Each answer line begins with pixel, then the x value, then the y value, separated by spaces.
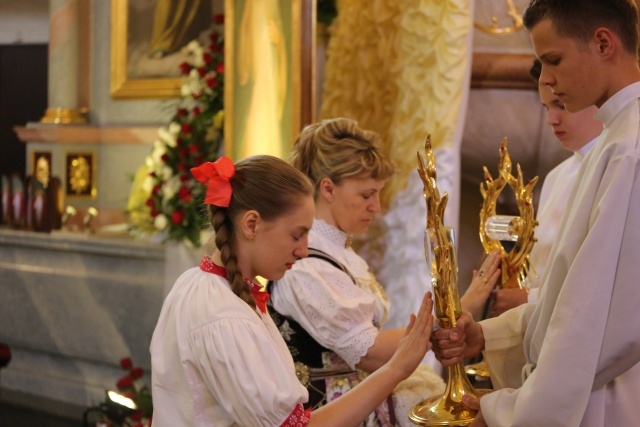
pixel 299 417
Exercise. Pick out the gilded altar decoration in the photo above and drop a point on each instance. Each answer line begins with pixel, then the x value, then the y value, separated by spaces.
pixel 517 261
pixel 81 174
pixel 494 28
pixel 446 409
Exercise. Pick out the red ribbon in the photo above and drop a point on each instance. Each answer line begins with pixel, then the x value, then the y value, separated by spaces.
pixel 216 176
pixel 258 295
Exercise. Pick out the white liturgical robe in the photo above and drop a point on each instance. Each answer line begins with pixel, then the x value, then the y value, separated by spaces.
pixel 578 348
pixel 553 202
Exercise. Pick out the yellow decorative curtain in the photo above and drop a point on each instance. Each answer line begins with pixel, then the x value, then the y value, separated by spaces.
pixel 398 67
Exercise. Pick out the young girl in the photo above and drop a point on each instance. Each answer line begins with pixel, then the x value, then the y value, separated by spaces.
pixel 217 358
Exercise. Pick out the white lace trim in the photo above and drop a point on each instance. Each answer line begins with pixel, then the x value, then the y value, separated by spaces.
pixel 330 232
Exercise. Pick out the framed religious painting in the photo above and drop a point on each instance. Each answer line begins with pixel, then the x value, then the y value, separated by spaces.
pixel 148 44
pixel 268 75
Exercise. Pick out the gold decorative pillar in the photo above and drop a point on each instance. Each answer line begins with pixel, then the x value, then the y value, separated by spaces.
pixel 68 62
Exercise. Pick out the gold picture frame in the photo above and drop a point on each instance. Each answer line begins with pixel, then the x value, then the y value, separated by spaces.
pixel 122 84
pixel 292 29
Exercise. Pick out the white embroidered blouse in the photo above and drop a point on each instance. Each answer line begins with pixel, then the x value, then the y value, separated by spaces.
pixel 338 313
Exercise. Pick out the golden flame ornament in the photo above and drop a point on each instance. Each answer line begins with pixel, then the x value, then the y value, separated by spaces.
pixel 517 260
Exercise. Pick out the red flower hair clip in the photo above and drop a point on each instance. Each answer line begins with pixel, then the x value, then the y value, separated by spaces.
pixel 216 176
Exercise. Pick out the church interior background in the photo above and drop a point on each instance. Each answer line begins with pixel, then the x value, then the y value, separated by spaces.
pixel 80 292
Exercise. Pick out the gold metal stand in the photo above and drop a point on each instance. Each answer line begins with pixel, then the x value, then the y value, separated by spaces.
pixel 447 409
pixel 65 116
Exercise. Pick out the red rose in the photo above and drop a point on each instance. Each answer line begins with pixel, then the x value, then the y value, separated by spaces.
pixel 177 217
pixel 181 166
pixel 186 128
pixel 184 177
pixel 214 36
pixel 124 383
pixel 196 111
pixel 194 149
pixel 185 68
pixel 182 112
pixel 218 19
pixel 207 58
pixel 131 395
pixel 214 47
pixel 202 71
pixel 164 157
pixel 212 82
pixel 220 68
pixel 155 192
pixel 125 363
pixel 150 202
pixel 135 373
pixel 185 195
pixel 155 212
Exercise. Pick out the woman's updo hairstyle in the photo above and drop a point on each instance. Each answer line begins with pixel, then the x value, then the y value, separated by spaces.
pixel 338 149
pixel 263 183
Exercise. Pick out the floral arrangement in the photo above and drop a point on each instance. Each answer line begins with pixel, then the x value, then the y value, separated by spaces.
pixel 130 386
pixel 165 198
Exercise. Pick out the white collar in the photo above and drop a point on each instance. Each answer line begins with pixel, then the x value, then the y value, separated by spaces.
pixel 612 107
pixel 331 233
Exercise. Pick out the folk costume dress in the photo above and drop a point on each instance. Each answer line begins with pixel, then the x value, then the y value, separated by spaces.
pixel 572 358
pixel 217 362
pixel 329 309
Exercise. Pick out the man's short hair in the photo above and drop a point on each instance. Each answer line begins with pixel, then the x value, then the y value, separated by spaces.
pixel 578 19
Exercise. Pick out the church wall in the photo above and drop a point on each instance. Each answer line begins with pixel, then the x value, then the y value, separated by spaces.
pixel 24 21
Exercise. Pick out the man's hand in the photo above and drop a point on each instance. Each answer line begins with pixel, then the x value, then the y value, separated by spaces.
pixel 506 299
pixel 454 345
pixel 474 403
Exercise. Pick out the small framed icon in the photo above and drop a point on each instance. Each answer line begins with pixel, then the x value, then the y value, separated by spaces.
pixel 80 174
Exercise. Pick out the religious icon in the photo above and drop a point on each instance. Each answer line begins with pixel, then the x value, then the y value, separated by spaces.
pixel 81 175
pixel 41 166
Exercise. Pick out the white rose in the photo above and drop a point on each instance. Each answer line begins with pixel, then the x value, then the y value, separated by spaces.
pixel 171 187
pixel 193 46
pixel 167 137
pixel 185 90
pixel 160 222
pixel 174 128
pixel 167 172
